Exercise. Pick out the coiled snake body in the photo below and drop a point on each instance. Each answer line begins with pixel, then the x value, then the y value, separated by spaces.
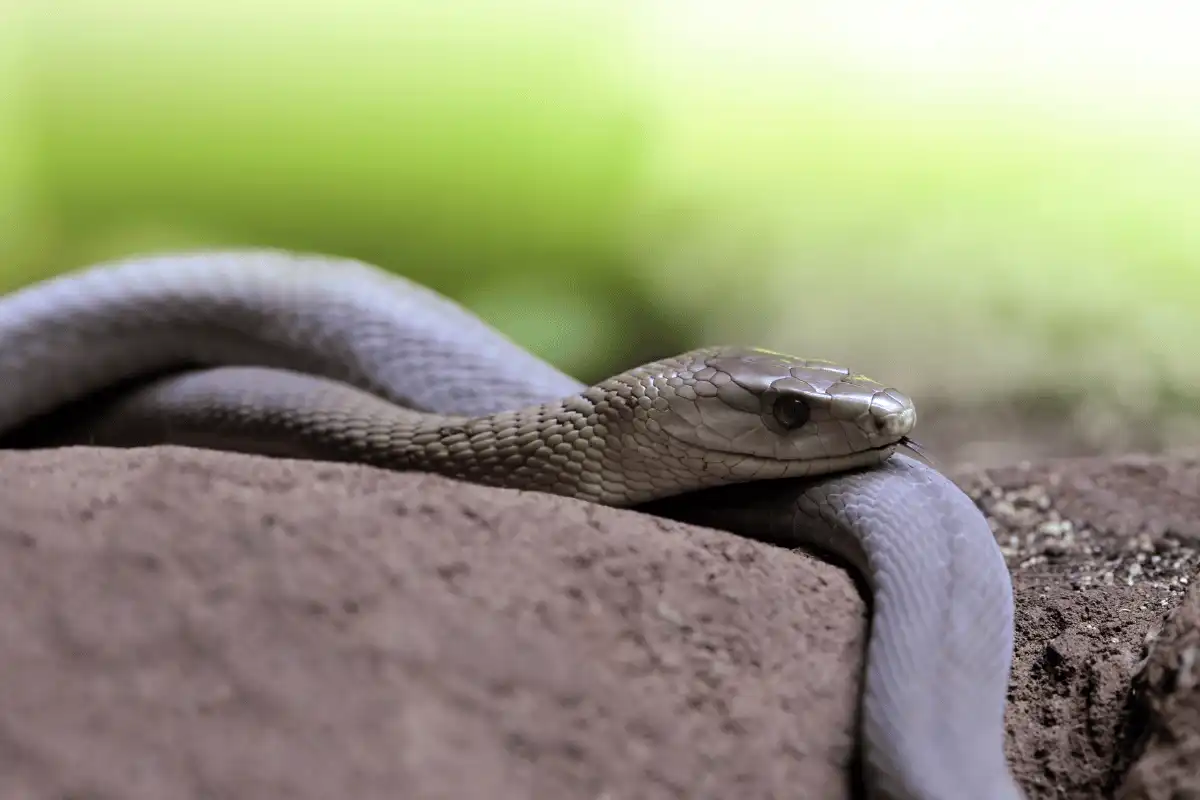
pixel 315 357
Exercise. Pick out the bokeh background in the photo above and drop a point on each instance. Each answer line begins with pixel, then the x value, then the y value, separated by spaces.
pixel 993 206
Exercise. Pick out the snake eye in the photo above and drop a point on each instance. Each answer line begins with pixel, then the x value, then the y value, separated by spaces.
pixel 791 412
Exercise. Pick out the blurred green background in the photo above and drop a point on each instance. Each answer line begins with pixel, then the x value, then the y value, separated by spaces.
pixel 994 209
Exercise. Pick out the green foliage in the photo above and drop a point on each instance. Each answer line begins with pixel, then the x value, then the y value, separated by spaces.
pixel 605 199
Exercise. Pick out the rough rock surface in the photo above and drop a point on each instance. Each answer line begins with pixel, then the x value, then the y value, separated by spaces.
pixel 1165 711
pixel 1100 551
pixel 185 624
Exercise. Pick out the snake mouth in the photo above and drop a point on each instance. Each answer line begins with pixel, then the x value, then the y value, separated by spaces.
pixel 795 462
pixel 867 455
pixel 753 468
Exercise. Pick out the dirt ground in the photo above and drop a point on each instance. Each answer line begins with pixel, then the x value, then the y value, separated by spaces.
pixel 186 624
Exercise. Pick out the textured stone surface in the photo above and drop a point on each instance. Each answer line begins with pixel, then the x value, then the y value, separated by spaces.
pixel 186 624
pixel 1165 711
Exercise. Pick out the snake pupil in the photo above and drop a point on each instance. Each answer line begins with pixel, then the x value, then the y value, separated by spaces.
pixel 791 412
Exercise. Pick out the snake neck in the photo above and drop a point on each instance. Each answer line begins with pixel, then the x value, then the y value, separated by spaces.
pixel 584 446
pixel 556 447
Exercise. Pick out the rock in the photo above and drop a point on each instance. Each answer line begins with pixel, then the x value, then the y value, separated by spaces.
pixel 189 624
pixel 1164 720
pixel 1100 549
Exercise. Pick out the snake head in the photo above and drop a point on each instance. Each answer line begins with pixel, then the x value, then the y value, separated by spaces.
pixel 730 413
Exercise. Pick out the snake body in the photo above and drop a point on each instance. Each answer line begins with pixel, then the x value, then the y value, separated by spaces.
pixel 316 357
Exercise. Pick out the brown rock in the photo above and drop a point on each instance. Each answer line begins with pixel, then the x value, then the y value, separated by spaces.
pixel 1100 550
pixel 183 624
pixel 1165 711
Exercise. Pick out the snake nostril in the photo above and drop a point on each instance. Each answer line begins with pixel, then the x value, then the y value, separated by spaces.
pixel 891 415
pixel 879 423
pixel 897 423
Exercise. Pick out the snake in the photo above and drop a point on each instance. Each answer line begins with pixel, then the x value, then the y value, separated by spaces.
pixel 321 357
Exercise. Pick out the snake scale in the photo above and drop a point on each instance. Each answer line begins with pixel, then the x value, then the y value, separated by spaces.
pixel 310 356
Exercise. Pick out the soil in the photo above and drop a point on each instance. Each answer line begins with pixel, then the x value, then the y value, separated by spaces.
pixel 189 624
